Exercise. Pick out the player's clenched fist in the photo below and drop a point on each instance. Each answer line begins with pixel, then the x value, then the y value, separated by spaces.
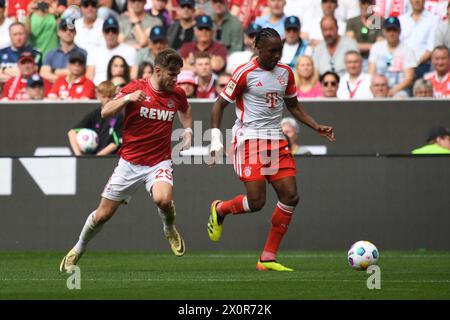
pixel 326 131
pixel 138 95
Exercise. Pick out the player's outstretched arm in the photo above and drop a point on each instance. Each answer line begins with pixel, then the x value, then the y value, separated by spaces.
pixel 216 119
pixel 114 107
pixel 299 113
pixel 186 121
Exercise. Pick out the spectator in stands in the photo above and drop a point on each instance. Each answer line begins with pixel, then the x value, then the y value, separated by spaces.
pixel 393 8
pixel 89 34
pixel 330 53
pixel 393 59
pixel 363 30
pixel 438 142
pixel 135 27
pixel 291 130
pixel 118 71
pixel 418 28
pixel 308 85
pixel 16 88
pixel 41 25
pixel 182 30
pixel 293 46
pixel 75 85
pixel 109 130
pixel 379 86
pixel 354 84
pixel 222 81
pixel 227 28
pixel 237 58
pixel 422 89
pixel 442 33
pixel 248 10
pixel 145 70
pixel 18 10
pixel 205 79
pixel 9 56
pixel 330 83
pixel 158 42
pixel 159 11
pixel 98 62
pixel 55 62
pixel 275 18
pixel 5 22
pixel 313 23
pixel 440 77
pixel 203 7
pixel 186 80
pixel 204 42
pixel 112 8
pixel 35 87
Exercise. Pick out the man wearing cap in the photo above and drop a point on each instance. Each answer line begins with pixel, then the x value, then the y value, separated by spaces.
pixel 293 46
pixel 75 85
pixel 275 19
pixel 361 28
pixel 438 142
pixel 89 27
pixel 16 88
pixel 227 28
pixel 204 42
pixel 393 59
pixel 5 22
pixel 235 59
pixel 9 56
pixel 35 87
pixel 55 62
pixel 136 26
pixel 98 59
pixel 158 42
pixel 181 31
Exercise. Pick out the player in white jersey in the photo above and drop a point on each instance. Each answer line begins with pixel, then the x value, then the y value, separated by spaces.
pixel 260 89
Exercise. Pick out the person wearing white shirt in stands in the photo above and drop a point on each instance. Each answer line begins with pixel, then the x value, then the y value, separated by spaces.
pixel 418 28
pixel 98 59
pixel 354 84
pixel 89 27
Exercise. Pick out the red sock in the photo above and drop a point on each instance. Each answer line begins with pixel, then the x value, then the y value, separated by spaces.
pixel 281 219
pixel 237 205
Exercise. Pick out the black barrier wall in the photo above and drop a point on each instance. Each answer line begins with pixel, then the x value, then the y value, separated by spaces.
pixel 362 127
pixel 396 202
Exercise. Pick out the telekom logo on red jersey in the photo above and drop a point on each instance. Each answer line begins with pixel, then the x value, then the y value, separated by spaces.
pixel 157 114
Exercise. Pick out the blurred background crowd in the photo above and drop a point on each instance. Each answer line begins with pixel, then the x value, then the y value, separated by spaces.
pixel 345 49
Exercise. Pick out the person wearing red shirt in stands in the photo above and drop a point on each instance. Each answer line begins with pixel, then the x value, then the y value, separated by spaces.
pixel 440 78
pixel 75 85
pixel 16 88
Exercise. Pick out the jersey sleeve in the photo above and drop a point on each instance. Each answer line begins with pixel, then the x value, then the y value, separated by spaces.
pixel 129 88
pixel 291 89
pixel 183 103
pixel 235 86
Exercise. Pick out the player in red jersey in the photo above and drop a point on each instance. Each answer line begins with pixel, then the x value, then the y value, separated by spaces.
pixel 261 88
pixel 150 106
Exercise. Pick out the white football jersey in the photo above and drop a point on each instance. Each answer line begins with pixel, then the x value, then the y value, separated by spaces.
pixel 259 95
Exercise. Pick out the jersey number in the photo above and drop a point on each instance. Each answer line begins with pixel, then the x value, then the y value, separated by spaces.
pixel 163 173
pixel 271 99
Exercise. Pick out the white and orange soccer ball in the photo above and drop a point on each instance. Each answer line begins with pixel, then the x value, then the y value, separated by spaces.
pixel 87 140
pixel 362 254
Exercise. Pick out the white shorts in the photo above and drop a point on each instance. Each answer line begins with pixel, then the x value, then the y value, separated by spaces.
pixel 128 177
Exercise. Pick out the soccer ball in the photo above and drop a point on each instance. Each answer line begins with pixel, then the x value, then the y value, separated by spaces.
pixel 362 254
pixel 87 140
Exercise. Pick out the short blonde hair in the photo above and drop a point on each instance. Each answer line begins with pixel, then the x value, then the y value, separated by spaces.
pixel 107 89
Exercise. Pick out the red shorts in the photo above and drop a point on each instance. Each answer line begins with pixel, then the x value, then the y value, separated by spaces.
pixel 260 159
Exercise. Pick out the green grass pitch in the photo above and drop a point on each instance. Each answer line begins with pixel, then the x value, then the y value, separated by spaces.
pixel 223 275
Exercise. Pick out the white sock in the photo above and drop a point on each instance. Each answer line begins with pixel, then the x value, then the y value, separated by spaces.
pixel 89 231
pixel 168 218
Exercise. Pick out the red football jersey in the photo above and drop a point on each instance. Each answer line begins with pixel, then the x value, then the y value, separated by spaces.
pixel 80 89
pixel 147 127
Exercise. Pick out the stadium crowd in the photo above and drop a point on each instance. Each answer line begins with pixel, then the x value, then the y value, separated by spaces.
pixel 345 49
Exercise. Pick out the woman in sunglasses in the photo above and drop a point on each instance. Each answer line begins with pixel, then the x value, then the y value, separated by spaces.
pixel 330 83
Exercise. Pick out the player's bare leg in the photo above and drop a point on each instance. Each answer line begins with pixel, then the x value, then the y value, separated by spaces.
pixel 253 201
pixel 93 225
pixel 162 193
pixel 286 190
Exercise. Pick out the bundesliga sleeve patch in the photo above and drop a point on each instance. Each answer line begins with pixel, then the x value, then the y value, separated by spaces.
pixel 230 88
